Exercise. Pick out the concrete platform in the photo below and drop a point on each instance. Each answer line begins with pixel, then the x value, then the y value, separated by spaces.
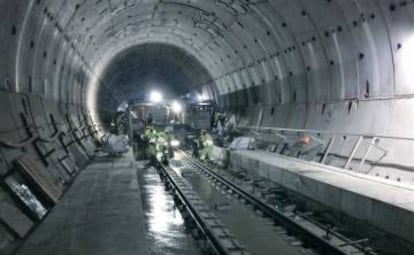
pixel 100 214
pixel 383 204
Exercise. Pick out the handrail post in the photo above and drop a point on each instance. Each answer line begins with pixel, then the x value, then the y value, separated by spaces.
pixel 328 149
pixel 364 158
pixel 354 150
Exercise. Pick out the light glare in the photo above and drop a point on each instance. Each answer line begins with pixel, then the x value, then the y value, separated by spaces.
pixel 155 97
pixel 176 107
pixel 175 143
pixel 200 98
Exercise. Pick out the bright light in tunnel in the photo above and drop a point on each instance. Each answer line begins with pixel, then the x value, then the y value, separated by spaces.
pixel 201 98
pixel 176 107
pixel 155 97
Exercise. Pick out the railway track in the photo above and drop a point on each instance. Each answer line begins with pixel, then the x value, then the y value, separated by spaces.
pixel 321 238
pixel 196 212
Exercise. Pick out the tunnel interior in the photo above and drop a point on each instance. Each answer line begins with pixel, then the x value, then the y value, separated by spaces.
pixel 336 68
pixel 137 71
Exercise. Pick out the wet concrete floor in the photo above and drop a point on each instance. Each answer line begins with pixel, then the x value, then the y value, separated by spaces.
pixel 166 232
pixel 100 214
pixel 116 206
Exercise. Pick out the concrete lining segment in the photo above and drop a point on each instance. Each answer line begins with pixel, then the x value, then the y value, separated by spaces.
pixel 100 214
pixel 385 206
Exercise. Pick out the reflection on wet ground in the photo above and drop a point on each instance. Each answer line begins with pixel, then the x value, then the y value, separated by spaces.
pixel 167 233
pixel 257 234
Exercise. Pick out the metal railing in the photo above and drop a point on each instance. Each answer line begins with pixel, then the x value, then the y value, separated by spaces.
pixel 283 134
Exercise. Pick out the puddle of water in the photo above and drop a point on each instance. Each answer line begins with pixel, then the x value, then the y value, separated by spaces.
pixel 167 233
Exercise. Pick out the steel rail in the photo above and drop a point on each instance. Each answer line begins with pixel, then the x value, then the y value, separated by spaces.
pixel 216 242
pixel 325 245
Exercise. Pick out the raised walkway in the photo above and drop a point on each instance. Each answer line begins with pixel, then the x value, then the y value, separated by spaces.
pixel 383 204
pixel 100 214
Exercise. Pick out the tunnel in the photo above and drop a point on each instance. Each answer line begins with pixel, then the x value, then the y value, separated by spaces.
pixel 340 72
pixel 155 67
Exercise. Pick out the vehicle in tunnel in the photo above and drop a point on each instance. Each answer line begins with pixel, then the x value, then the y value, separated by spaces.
pixel 337 71
pixel 199 115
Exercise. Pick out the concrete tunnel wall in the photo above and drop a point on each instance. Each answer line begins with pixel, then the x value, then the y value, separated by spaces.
pixel 339 65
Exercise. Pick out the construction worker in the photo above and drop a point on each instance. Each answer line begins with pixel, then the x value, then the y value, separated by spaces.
pixel 150 136
pixel 217 116
pixel 150 119
pixel 306 139
pixel 207 146
pixel 162 147
pixel 119 123
pixel 296 148
pixel 310 147
pixel 301 146
pixel 218 125
pixel 170 136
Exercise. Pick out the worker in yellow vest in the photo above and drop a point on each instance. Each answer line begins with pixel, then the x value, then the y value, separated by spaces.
pixel 206 145
pixel 150 135
pixel 162 147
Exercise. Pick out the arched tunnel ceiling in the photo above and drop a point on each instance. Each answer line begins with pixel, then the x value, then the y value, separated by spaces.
pixel 341 70
pixel 136 71
pixel 291 55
